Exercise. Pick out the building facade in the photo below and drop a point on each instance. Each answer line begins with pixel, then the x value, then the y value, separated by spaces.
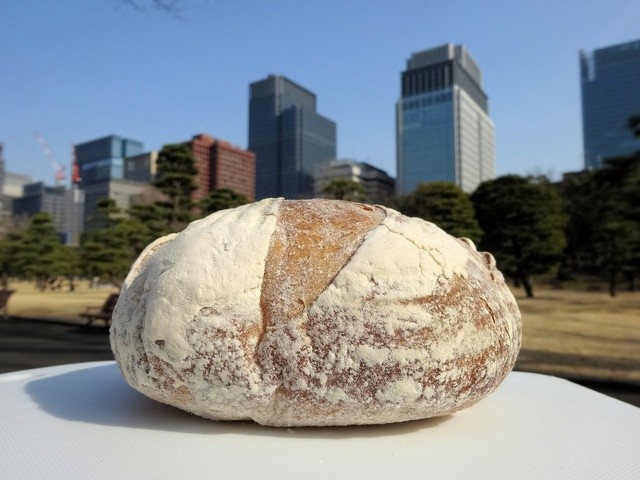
pixel 443 129
pixel 102 174
pixel 222 165
pixel 378 185
pixel 610 87
pixel 141 168
pixel 64 205
pixel 12 188
pixel 291 141
pixel 123 192
pixel 103 159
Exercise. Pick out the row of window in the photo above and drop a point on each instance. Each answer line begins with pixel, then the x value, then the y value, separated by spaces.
pixel 427 101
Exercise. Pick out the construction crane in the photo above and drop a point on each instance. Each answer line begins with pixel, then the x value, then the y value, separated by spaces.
pixel 60 169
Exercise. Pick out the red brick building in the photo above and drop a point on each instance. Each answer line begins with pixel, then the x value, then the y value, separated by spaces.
pixel 222 165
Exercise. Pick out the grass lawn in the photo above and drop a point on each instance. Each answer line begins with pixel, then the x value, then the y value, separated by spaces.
pixel 581 335
pixel 29 302
pixel 574 334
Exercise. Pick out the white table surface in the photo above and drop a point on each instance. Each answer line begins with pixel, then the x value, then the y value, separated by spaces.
pixel 82 421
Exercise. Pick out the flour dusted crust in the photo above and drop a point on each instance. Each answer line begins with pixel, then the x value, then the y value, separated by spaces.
pixel 315 312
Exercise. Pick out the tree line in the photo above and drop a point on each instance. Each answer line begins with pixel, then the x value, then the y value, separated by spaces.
pixel 586 225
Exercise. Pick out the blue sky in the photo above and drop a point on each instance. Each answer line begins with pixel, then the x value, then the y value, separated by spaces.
pixel 76 70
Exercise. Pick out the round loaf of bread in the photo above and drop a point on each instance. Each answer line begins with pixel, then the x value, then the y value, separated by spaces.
pixel 315 312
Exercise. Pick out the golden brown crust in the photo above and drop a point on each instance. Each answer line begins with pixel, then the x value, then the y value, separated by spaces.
pixel 312 241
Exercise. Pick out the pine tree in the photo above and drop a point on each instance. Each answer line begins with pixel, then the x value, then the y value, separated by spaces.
pixel 222 199
pixel 38 250
pixel 446 205
pixel 523 226
pixel 176 180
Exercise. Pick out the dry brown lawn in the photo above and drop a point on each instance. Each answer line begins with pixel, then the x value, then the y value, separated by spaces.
pixel 29 302
pixel 582 335
pixel 576 334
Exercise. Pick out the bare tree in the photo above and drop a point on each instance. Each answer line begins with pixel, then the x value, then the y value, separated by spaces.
pixel 175 8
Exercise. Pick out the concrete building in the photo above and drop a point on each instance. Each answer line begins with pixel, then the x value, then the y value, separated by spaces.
pixel 141 168
pixel 123 192
pixel 443 129
pixel 378 185
pixel 222 165
pixel 610 87
pixel 292 142
pixel 101 167
pixel 12 188
pixel 64 205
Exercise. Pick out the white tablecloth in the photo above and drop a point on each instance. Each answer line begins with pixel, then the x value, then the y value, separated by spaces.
pixel 82 421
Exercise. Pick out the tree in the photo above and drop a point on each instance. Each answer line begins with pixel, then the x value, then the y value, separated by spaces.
pixel 344 189
pixel 65 264
pixel 446 205
pixel 603 208
pixel 37 250
pixel 176 180
pixel 9 250
pixel 616 206
pixel 523 226
pixel 580 200
pixel 108 253
pixel 150 217
pixel 634 124
pixel 175 8
pixel 222 199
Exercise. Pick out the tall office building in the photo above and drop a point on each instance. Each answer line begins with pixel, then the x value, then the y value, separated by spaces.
pixel 101 168
pixel 103 159
pixel 222 165
pixel 64 205
pixel 292 142
pixel 443 129
pixel 610 81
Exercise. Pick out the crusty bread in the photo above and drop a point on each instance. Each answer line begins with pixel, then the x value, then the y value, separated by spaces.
pixel 315 312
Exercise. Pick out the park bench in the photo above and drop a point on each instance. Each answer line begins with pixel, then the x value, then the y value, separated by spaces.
pixel 4 298
pixel 103 313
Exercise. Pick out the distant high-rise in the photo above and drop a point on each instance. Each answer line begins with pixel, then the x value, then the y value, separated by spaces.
pixel 103 159
pixel 64 205
pixel 378 185
pixel 610 80
pixel 222 165
pixel 292 142
pixel 443 132
pixel 101 168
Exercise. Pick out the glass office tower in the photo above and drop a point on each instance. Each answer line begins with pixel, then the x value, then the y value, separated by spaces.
pixel 103 159
pixel 610 81
pixel 102 174
pixel 443 129
pixel 291 141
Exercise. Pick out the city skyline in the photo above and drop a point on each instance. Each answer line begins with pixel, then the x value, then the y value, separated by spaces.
pixel 91 69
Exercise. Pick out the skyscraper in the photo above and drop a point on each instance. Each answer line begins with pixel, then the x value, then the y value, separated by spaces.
pixel 101 165
pixel 292 142
pixel 222 165
pixel 103 159
pixel 610 81
pixel 443 129
pixel 64 205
